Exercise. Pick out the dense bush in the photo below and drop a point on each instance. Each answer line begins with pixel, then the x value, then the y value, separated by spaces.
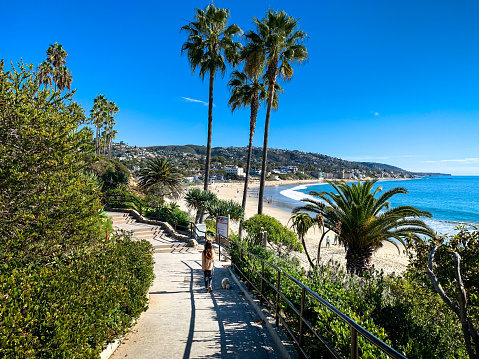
pixel 173 215
pixel 116 198
pixel 114 174
pixel 72 308
pixel 400 311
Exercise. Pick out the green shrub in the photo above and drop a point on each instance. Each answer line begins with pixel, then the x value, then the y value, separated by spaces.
pixel 278 234
pixel 115 180
pixel 173 215
pixel 72 308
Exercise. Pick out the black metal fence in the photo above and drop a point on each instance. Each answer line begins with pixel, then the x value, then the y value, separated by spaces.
pixel 266 280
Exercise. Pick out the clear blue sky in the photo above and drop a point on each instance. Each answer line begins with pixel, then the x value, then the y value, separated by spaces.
pixel 387 81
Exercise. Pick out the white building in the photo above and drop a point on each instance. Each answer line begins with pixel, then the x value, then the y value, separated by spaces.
pixel 235 170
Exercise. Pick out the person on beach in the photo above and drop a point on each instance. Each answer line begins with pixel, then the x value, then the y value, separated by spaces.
pixel 327 241
pixel 207 263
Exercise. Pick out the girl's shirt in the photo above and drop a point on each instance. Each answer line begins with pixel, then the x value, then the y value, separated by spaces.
pixel 207 264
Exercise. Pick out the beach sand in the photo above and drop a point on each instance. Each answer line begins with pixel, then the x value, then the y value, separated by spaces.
pixel 386 258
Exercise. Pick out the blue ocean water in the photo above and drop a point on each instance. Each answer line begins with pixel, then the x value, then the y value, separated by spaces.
pixel 452 200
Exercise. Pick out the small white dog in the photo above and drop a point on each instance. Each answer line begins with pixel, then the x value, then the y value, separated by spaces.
pixel 225 283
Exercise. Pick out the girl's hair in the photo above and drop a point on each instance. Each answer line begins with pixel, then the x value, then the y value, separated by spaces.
pixel 208 251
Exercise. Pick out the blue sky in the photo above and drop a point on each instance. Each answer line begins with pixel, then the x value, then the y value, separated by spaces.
pixel 395 82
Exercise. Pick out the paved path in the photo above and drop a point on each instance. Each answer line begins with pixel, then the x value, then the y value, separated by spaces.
pixel 185 322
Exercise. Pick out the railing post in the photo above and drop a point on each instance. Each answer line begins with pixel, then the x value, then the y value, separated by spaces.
pixel 262 280
pixel 249 272
pixel 278 287
pixel 219 247
pixel 354 344
pixel 303 299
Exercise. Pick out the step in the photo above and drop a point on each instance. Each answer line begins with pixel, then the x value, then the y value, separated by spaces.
pixel 176 250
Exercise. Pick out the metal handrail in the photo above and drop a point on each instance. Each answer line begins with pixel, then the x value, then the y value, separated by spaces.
pixel 305 290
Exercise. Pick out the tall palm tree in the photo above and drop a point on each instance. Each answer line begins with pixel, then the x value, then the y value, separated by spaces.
pixel 108 122
pixel 302 222
pixel 161 177
pixel 44 73
pixel 97 115
pixel 275 46
pixel 56 56
pixel 249 90
pixel 365 222
pixel 62 78
pixel 210 43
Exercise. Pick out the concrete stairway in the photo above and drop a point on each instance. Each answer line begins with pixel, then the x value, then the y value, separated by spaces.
pixel 161 240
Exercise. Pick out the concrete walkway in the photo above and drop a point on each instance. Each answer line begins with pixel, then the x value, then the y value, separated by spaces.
pixel 185 322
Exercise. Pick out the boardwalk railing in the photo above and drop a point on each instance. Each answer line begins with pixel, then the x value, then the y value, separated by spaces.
pixel 266 280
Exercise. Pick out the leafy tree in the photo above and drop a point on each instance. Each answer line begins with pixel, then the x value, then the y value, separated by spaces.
pixel 209 44
pixel 198 199
pixel 274 46
pixel 278 235
pixel 220 159
pixel 452 265
pixel 365 221
pixel 301 223
pixel 48 207
pixel 161 177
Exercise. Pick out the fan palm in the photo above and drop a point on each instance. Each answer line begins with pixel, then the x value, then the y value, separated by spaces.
pixel 209 44
pixel 62 78
pixel 248 90
pixel 109 121
pixel 44 73
pixel 274 47
pixel 161 177
pixel 365 221
pixel 302 222
pixel 56 56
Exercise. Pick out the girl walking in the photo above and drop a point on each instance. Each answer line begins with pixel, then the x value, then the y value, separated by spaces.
pixel 207 262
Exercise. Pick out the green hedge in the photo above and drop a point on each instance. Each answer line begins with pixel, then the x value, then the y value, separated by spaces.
pixel 73 308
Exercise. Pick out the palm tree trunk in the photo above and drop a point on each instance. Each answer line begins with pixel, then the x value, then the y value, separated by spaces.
pixel 306 251
pixel 272 83
pixel 210 131
pixel 358 259
pixel 97 142
pixel 254 113
pixel 318 257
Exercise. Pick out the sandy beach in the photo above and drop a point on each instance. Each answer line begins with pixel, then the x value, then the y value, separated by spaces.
pixel 386 258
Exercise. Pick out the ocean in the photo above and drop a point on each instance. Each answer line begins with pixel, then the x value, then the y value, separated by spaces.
pixel 452 200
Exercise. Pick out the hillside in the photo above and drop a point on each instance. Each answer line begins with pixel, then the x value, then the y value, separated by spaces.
pixel 191 158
